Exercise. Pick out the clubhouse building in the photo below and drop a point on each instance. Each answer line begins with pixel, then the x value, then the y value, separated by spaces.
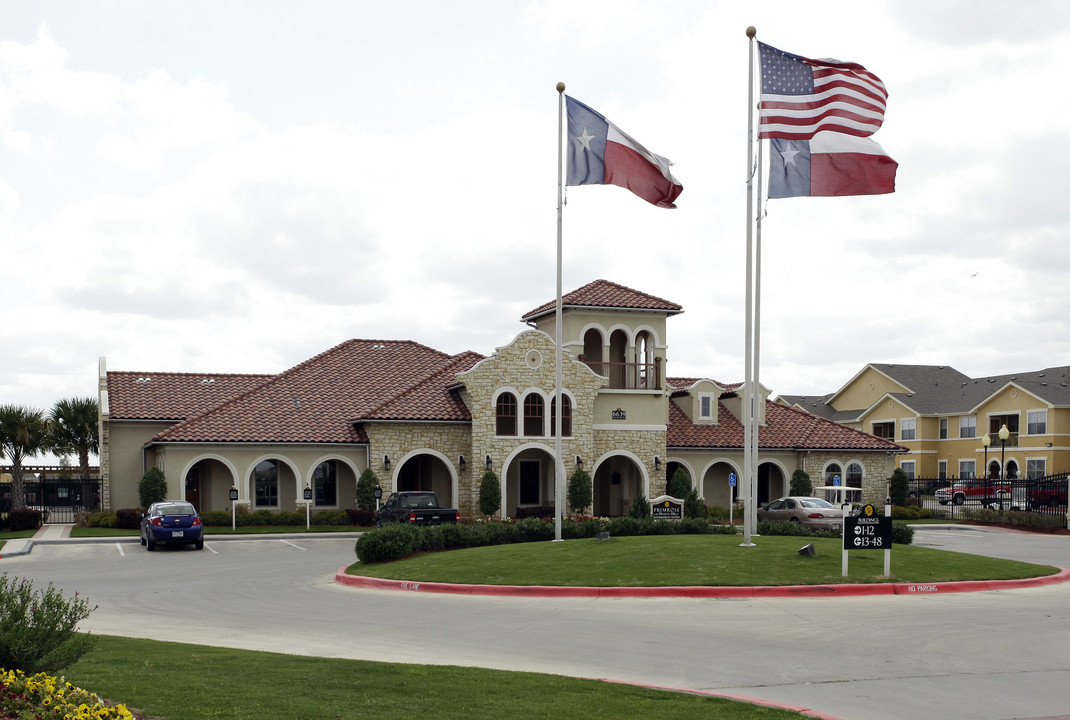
pixel 425 420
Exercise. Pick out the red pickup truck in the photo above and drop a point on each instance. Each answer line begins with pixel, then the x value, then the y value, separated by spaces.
pixel 983 489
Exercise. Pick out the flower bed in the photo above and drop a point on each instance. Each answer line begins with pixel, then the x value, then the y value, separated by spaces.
pixel 44 697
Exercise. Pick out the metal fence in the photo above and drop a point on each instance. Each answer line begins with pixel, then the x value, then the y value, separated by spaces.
pixel 62 500
pixel 952 497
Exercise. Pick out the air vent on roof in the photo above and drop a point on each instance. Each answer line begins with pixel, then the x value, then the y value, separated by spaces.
pixel 207 381
pixel 143 379
pixel 378 347
pixel 1040 375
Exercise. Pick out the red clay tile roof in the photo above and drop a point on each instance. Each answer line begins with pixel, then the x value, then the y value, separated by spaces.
pixel 785 428
pixel 172 396
pixel 605 294
pixel 433 399
pixel 318 400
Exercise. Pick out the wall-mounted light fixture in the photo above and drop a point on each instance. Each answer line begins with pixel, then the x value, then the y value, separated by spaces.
pixel 386 462
pixel 460 462
pixel 657 463
pixel 489 464
pixel 579 461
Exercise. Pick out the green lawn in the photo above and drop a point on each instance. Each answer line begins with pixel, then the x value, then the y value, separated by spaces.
pixel 173 681
pixel 692 560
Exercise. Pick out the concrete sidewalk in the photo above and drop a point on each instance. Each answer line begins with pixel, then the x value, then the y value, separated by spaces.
pixel 22 546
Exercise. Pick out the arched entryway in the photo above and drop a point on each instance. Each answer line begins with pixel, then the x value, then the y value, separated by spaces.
pixel 618 480
pixel 715 487
pixel 529 479
pixel 425 471
pixel 772 483
pixel 207 485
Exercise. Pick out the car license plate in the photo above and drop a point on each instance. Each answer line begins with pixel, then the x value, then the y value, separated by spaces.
pixel 176 533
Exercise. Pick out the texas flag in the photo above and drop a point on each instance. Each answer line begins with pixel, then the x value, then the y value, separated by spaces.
pixel 829 164
pixel 600 154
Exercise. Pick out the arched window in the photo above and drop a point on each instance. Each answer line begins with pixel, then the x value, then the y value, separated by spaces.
pixel 505 414
pixel 566 416
pixel 534 416
pixel 325 482
pixel 266 483
pixel 854 475
pixel 831 471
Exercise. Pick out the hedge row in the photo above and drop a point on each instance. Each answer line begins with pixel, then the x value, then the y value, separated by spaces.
pixel 902 533
pixel 130 518
pixel 394 542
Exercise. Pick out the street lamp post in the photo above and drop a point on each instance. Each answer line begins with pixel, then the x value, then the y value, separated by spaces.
pixel 986 441
pixel 1004 433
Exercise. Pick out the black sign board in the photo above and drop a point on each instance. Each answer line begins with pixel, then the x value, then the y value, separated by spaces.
pixel 867 533
pixel 377 493
pixel 308 493
pixel 233 494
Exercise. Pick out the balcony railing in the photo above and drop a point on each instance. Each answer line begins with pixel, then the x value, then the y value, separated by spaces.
pixel 629 376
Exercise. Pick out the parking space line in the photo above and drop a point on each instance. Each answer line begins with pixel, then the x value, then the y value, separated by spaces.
pixel 210 548
pixel 119 547
pixel 291 544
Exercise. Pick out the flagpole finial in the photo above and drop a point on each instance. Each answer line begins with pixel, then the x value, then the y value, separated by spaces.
pixel 751 32
pixel 560 87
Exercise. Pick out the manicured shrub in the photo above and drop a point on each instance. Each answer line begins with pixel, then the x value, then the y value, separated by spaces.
pixel 899 487
pixel 625 526
pixel 392 542
pixel 330 517
pixel 260 517
pixel 693 506
pixel 495 533
pixel 366 484
pixel 535 511
pixel 128 518
pixel 102 520
pixel 490 494
pixel 583 528
pixel 679 484
pixel 38 628
pixel 717 513
pixel 801 485
pixel 640 508
pixel 25 519
pixel 216 518
pixel 902 534
pixel 152 487
pixel 360 518
pixel 534 530
pixel 580 491
pixel 442 537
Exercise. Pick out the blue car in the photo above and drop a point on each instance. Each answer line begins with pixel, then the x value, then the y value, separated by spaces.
pixel 171 522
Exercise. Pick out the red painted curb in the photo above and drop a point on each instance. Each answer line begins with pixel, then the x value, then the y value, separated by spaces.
pixel 846 590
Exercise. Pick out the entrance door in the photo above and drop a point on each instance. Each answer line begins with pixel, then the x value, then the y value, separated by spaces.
pixel 193 488
pixel 530 475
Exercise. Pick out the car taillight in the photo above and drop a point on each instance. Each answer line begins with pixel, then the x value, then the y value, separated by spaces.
pixel 815 515
pixel 412 517
pixel 157 522
pixel 196 521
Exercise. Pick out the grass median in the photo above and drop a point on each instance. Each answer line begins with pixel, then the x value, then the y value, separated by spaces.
pixel 176 681
pixel 654 561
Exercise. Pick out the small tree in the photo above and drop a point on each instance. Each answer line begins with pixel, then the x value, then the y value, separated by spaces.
pixel 640 508
pixel 152 487
pixel 801 485
pixel 490 494
pixel 38 628
pixel 693 506
pixel 23 434
pixel 580 491
pixel 899 487
pixel 679 484
pixel 366 484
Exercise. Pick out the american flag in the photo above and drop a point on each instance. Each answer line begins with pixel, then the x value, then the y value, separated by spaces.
pixel 801 97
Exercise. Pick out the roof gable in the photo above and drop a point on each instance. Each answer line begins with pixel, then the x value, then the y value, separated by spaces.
pixel 604 294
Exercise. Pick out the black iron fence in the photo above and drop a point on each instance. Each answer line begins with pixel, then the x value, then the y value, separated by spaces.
pixel 62 500
pixel 952 497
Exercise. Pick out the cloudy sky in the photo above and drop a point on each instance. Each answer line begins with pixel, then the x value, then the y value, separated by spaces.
pixel 205 186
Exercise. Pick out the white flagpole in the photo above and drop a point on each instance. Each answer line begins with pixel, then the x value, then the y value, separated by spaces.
pixel 748 391
pixel 756 396
pixel 559 484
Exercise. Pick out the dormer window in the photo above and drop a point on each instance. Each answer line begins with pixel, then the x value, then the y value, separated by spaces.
pixel 706 407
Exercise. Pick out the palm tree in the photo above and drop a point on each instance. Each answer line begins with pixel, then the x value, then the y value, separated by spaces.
pixel 23 434
pixel 73 430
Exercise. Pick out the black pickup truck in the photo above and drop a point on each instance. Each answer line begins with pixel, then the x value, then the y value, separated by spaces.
pixel 415 508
